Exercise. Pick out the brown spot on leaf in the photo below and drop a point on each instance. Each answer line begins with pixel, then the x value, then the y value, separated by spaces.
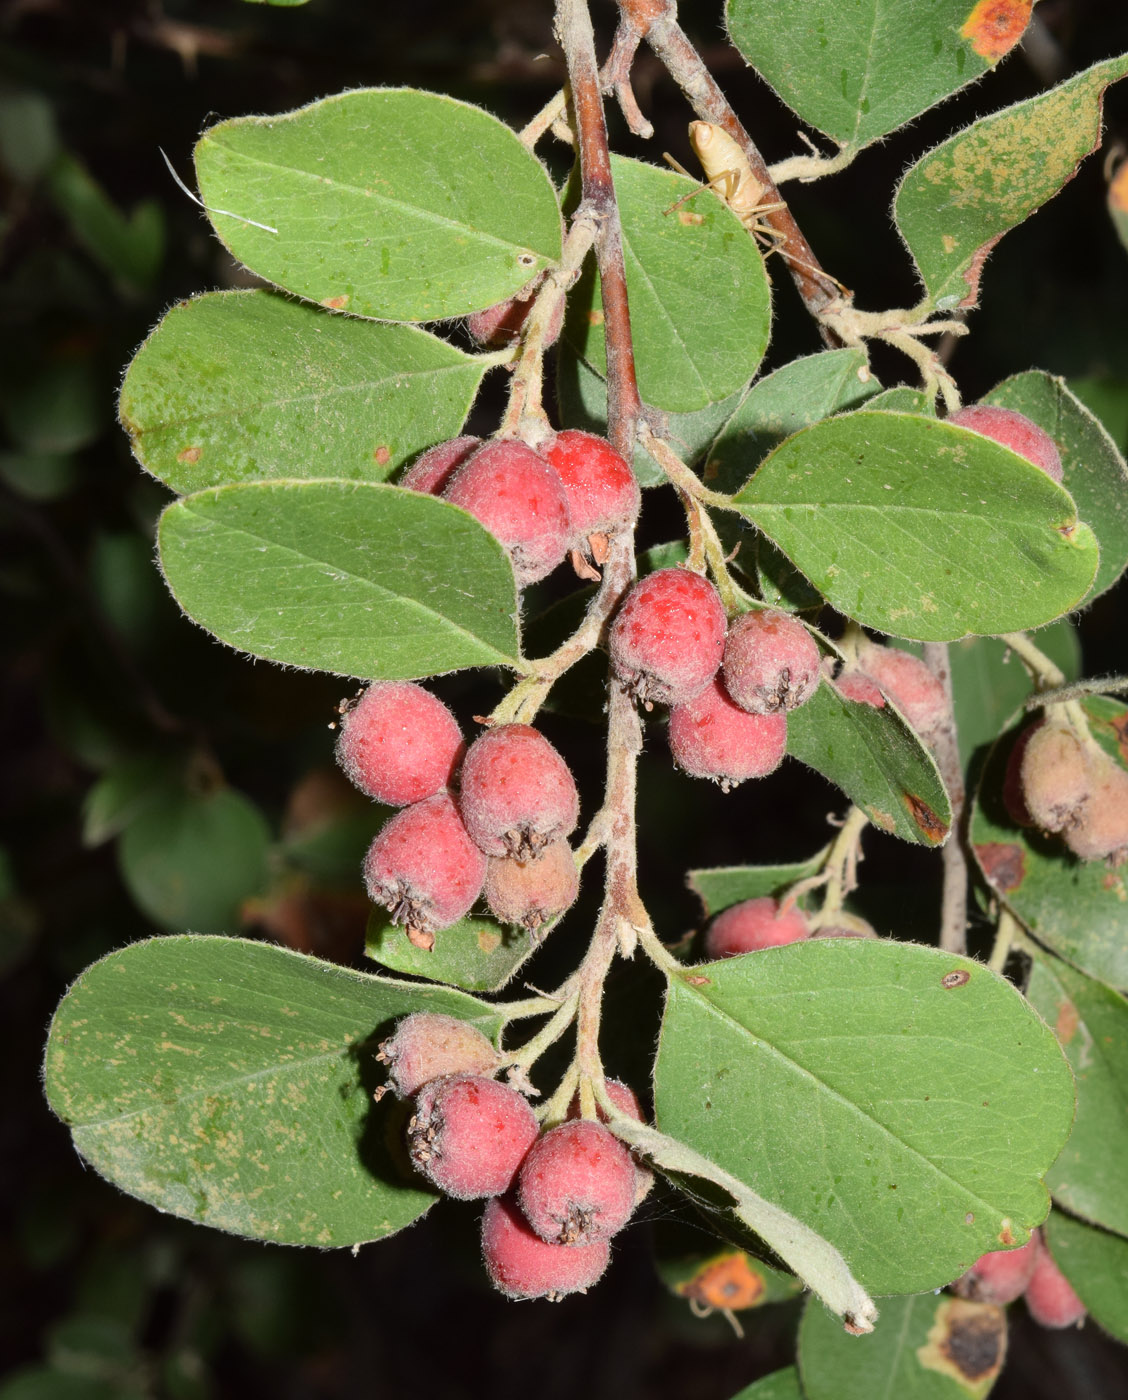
pixel 1003 863
pixel 695 981
pixel 958 977
pixel 995 26
pixel 488 939
pixel 926 819
pixel 336 303
pixel 686 216
pixel 1119 726
pixel 1006 1235
pixel 1065 1028
pixel 382 455
pixel 190 454
pixel 726 1282
pixel 968 1342
pixel 595 318
pixel 975 271
pixel 881 819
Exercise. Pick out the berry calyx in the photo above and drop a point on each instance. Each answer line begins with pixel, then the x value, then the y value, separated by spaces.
pixel 770 663
pixel 517 792
pixel 908 682
pixel 470 1134
pixel 712 737
pixel 577 1184
pixel 517 496
pixel 668 637
pixel 431 472
pixel 424 868
pixel 1056 779
pixel 1001 1276
pixel 533 891
pixel 1013 430
pixel 603 492
pixel 1050 1298
pixel 399 743
pixel 427 1044
pixel 752 925
pixel 522 1265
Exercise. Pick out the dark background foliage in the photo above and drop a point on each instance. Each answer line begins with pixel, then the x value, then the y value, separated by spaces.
pixel 102 1296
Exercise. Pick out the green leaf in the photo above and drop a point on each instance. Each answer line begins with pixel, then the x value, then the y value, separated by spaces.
pixel 387 202
pixel 478 955
pixel 780 1385
pixel 859 71
pixel 957 201
pixel 1077 908
pixel 124 793
pixel 699 295
pixel 1091 1024
pixel 923 1348
pixel 922 529
pixel 902 399
pixel 231 1083
pixel 242 386
pixel 906 1119
pixel 1096 1264
pixel 194 859
pixel 128 247
pixel 1094 472
pixel 723 886
pixel 358 579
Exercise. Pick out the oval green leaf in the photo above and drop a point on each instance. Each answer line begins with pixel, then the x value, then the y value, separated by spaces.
pixel 780 1385
pixel 1096 1264
pixel 477 955
pixel 724 885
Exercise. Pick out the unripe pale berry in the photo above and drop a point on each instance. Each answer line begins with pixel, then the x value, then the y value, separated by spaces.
pixel 853 685
pixel 668 637
pixel 771 662
pixel 431 472
pixel 1057 782
pixel 518 794
pixel 908 682
pixel 522 1265
pixel 399 743
pixel 846 926
pixel 754 924
pixel 577 1183
pixel 711 737
pixel 1049 1296
pixel 424 868
pixel 1101 830
pixel 470 1134
pixel 519 498
pixel 427 1044
pixel 530 892
pixel 602 490
pixel 1013 430
pixel 1001 1276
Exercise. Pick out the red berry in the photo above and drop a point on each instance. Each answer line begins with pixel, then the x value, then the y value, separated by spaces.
pixel 399 743
pixel 470 1134
pixel 431 472
pixel 863 691
pixel 1101 832
pixel 519 498
pixel 518 794
pixel 1013 430
pixel 424 868
pixel 1013 799
pixel 1050 1298
pixel 530 892
pixel 711 737
pixel 754 924
pixel 668 637
pixel 909 684
pixel 522 1265
pixel 577 1184
pixel 1001 1276
pixel 502 325
pixel 426 1045
pixel 603 493
pixel 771 662
pixel 1057 784
pixel 626 1101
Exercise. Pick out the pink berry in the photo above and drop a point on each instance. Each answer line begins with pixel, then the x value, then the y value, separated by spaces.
pixel 860 689
pixel 1050 1298
pixel 424 868
pixel 1057 784
pixel 908 682
pixel 1001 1276
pixel 711 737
pixel 470 1134
pixel 519 498
pixel 668 637
pixel 602 490
pixel 431 472
pixel 502 325
pixel 577 1184
pixel 530 892
pixel 399 743
pixel 522 1265
pixel 1101 830
pixel 754 924
pixel 771 662
pixel 626 1101
pixel 1013 430
pixel 518 794
pixel 427 1044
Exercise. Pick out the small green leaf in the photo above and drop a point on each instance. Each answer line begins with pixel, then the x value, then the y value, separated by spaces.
pixel 723 886
pixel 477 955
pixel 699 295
pixel 902 1102
pixel 1096 1264
pixel 230 1083
pixel 358 579
pixel 902 399
pixel 388 202
pixel 243 386
pixel 922 529
pixel 123 794
pixel 127 247
pixel 957 201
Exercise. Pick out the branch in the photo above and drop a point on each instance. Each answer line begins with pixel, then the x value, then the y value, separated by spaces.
pixel 945 746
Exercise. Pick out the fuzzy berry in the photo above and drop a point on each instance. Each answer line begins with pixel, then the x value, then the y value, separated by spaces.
pixel 522 1265
pixel 431 472
pixel 1056 777
pixel 501 325
pixel 754 924
pixel 668 637
pixel 855 686
pixel 519 498
pixel 518 794
pixel 626 1101
pixel 530 892
pixel 424 868
pixel 399 743
pixel 1013 799
pixel 771 662
pixel 602 490
pixel 427 1044
pixel 577 1184
pixel 908 682
pixel 1049 1295
pixel 846 926
pixel 711 737
pixel 1101 831
pixel 1013 430
pixel 470 1134
pixel 1001 1276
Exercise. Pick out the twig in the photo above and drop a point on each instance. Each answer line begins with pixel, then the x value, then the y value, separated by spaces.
pixel 945 746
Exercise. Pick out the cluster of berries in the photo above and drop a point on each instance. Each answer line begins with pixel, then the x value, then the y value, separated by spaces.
pixel 554 1199
pixel 1065 784
pixel 728 688
pixel 1030 1273
pixel 504 830
pixel 567 498
pixel 763 922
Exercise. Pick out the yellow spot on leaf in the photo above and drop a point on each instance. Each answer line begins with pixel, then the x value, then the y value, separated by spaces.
pixel 336 303
pixel 686 216
pixel 995 26
pixel 488 939
pixel 190 454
